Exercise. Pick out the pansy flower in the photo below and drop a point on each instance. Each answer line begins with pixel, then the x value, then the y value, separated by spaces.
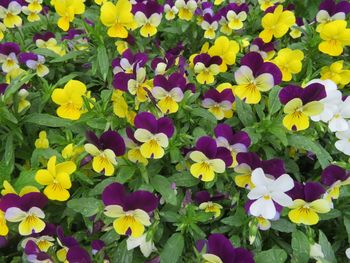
pixel 56 178
pixel 219 249
pixel 219 103
pixel 48 40
pixel 104 150
pixel 169 91
pixel 8 56
pixel 335 36
pixel 76 39
pixel 34 62
pixel 255 76
pixel 9 189
pixel 34 254
pixel 186 8
pixel 32 16
pixel 206 67
pixel 234 142
pixel 289 62
pixel 226 49
pixel 209 25
pixel 334 177
pixel 307 203
pixel 268 191
pixel 300 104
pixel 296 32
pixel 44 240
pixel 127 61
pixel 67 9
pixel 4 230
pixel 9 13
pixel 170 10
pixel 276 23
pixel 330 10
pixel 27 210
pixel 161 65
pixel 209 159
pixel 154 134
pixel 148 16
pixel 266 50
pixel 117 17
pixel 146 245
pixel 70 100
pixel 337 73
pixel 131 210
pixel 248 162
pixel 121 108
pixel 134 152
pixel 207 203
pixel 236 15
pixel 34 5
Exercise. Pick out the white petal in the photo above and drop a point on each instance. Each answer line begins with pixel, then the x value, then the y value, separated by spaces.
pixel 282 199
pixel 284 183
pixel 14 214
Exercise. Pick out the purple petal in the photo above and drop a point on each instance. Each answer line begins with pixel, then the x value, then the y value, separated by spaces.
pixel 227 94
pixel 200 245
pixel 177 80
pixel 121 79
pixel 272 69
pixel 31 248
pixel 212 94
pixel 207 145
pixel 130 133
pixel 92 138
pixel 161 81
pixel 342 6
pixel 274 167
pixel 253 60
pixel 328 5
pixel 241 137
pixel 220 246
pixel 143 200
pixel 146 120
pixel 314 92
pixel 97 244
pixel 166 126
pixel 290 92
pixel 297 192
pixel 251 159
pixel 243 255
pixel 333 173
pixel 224 130
pixel 112 140
pixel 9 47
pixel 78 255
pixel 30 200
pixel 8 201
pixel 313 191
pixel 201 197
pixel 114 194
pixel 67 241
pixel 225 155
pixel 24 57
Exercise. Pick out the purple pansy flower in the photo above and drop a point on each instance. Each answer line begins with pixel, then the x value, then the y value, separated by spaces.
pixel 104 150
pixel 148 16
pixel 35 62
pixel 154 134
pixel 330 10
pixel 255 76
pixel 161 65
pixel 234 142
pixel 34 254
pixel 266 50
pixel 206 67
pixel 127 61
pixel 209 159
pixel 301 103
pixel 220 249
pixel 219 103
pixel 97 245
pixel 8 56
pixel 131 210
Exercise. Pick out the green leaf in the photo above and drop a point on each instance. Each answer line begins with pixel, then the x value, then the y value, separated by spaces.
pixel 184 179
pixel 172 249
pixel 25 178
pixel 16 84
pixel 303 142
pixel 125 173
pixel 236 220
pixel 326 247
pixel 301 247
pixel 9 150
pixel 245 113
pixel 44 119
pixel 347 226
pixel 98 189
pixel 65 79
pixel 274 255
pixel 103 61
pixel 283 225
pixel 42 153
pixel 203 113
pixel 87 206
pixel 68 56
pixel 274 101
pixel 121 254
pixel 7 115
pixel 163 186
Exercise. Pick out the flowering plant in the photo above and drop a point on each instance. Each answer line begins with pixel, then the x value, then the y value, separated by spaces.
pixel 174 131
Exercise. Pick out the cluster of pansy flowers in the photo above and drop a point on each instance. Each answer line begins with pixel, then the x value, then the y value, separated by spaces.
pixel 163 81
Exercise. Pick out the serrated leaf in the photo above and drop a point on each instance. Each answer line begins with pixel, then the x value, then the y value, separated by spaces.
pixel 173 249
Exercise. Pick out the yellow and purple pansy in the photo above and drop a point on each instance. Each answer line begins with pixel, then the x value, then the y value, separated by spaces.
pixel 219 103
pixel 9 13
pixel 209 159
pixel 8 56
pixel 219 249
pixel 266 50
pixel 127 61
pixel 231 17
pixel 35 254
pixel 130 210
pixel 330 10
pixel 169 91
pixel 154 134
pixel 210 22
pixel 103 150
pixel 34 62
pixel 207 202
pixel 134 152
pixel 301 103
pixel 206 67
pixel 334 177
pixel 307 203
pixel 234 142
pixel 27 210
pixel 255 76
pixel 148 16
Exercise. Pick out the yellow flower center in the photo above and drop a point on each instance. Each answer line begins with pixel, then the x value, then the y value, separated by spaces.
pixel 267 197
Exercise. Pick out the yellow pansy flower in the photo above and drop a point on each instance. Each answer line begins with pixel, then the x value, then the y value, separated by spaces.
pixel 336 73
pixel 307 212
pixel 226 49
pixel 289 62
pixel 42 142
